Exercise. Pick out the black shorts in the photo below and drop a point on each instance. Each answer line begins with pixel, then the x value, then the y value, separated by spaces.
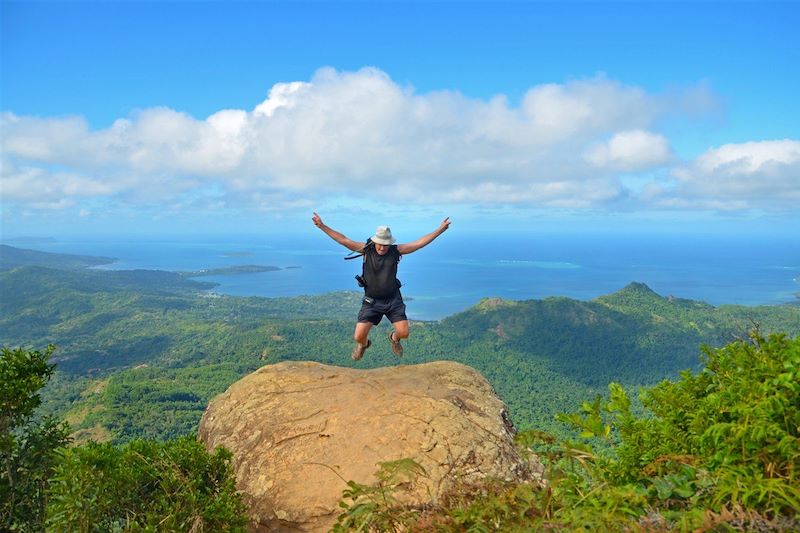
pixel 392 308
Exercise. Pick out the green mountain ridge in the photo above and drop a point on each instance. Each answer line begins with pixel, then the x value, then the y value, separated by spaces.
pixel 11 257
pixel 643 331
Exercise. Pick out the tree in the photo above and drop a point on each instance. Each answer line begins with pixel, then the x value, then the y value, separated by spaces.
pixel 27 444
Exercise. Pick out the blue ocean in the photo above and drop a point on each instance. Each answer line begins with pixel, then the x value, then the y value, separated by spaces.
pixel 457 270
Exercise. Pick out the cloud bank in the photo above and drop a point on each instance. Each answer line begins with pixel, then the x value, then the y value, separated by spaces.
pixel 362 135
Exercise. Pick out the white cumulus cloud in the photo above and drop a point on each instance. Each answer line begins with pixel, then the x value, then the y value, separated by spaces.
pixel 762 175
pixel 630 151
pixel 359 134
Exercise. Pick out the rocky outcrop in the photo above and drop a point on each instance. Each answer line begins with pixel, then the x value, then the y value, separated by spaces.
pixel 299 430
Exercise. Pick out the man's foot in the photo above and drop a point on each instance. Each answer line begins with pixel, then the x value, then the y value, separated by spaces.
pixel 358 351
pixel 397 348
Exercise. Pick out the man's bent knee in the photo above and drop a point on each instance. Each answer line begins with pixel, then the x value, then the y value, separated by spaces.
pixel 401 329
pixel 361 333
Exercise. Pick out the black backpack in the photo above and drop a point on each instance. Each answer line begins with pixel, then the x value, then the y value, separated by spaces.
pixel 362 253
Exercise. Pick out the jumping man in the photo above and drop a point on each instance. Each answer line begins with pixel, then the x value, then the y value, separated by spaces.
pixel 381 288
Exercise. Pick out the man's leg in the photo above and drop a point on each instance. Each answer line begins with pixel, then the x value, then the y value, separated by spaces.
pixel 400 329
pixel 361 336
pixel 361 333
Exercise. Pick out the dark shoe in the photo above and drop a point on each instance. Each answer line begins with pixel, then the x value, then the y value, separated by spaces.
pixel 397 348
pixel 358 351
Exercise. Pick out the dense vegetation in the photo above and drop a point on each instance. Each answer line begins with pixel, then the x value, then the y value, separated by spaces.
pixel 27 443
pixel 140 353
pixel 142 486
pixel 717 450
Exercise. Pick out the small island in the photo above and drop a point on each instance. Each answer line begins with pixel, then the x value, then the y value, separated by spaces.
pixel 228 271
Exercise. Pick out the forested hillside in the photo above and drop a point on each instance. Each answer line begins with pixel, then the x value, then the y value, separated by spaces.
pixel 140 353
pixel 11 257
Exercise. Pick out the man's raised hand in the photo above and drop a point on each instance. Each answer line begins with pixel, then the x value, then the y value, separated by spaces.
pixel 317 220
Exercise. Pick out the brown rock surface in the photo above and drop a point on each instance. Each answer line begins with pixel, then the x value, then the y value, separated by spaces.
pixel 298 430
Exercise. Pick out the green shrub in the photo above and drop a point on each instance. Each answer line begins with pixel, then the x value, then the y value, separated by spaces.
pixel 144 486
pixel 724 439
pixel 491 505
pixel 27 443
pixel 377 507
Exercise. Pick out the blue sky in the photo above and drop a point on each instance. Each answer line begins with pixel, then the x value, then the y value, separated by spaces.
pixel 211 117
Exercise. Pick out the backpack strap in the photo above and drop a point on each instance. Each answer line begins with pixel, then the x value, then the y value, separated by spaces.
pixel 354 255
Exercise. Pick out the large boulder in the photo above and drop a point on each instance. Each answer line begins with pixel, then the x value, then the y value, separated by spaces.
pixel 299 430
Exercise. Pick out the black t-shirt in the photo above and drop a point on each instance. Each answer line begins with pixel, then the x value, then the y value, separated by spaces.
pixel 380 272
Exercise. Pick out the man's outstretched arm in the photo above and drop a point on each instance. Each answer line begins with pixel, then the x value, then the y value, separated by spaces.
pixel 424 240
pixel 348 243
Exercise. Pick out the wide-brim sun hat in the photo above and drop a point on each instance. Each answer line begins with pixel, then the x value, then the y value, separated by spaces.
pixel 383 235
